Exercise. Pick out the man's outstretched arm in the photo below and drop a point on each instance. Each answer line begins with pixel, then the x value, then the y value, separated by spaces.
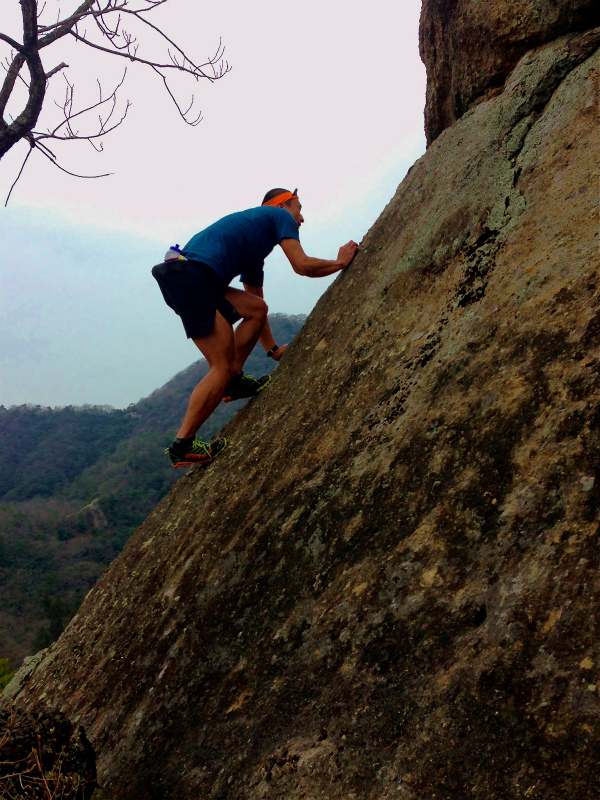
pixel 316 267
pixel 266 337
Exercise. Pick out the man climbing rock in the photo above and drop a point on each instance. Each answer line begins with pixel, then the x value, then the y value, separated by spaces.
pixel 195 284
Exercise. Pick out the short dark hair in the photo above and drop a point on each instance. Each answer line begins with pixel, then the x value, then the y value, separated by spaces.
pixel 272 193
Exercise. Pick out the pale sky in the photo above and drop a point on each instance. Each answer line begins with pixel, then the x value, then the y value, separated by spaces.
pixel 323 95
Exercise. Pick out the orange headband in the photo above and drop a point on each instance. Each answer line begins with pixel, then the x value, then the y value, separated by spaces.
pixel 280 198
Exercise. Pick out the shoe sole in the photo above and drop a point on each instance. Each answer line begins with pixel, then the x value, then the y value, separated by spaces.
pixel 258 391
pixel 201 463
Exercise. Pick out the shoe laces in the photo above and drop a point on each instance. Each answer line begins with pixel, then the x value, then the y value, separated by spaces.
pixel 249 380
pixel 198 446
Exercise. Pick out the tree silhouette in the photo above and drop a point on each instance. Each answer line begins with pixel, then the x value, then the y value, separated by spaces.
pixel 117 28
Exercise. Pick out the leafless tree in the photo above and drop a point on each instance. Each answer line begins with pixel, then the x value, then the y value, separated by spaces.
pixel 114 28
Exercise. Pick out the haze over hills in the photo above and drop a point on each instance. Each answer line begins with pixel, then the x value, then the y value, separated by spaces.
pixel 74 485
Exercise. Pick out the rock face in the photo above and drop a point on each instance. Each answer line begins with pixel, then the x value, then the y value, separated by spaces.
pixel 471 46
pixel 387 586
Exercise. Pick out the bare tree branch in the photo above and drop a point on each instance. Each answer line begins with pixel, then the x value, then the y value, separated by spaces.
pixel 30 26
pixel 37 138
pixel 192 69
pixel 16 180
pixel 182 114
pixel 110 34
pixel 211 61
pixel 9 83
pixel 15 45
pixel 74 174
pixel 63 27
pixel 23 124
pixel 55 70
pixel 69 115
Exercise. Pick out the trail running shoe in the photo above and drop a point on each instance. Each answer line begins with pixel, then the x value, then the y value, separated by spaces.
pixel 198 452
pixel 242 386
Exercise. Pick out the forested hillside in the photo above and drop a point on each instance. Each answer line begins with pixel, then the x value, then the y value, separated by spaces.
pixel 75 483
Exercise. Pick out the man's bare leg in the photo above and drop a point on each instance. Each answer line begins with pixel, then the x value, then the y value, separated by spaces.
pixel 254 315
pixel 219 350
pixel 226 354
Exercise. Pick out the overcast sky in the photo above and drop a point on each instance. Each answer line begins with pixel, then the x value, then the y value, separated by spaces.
pixel 322 95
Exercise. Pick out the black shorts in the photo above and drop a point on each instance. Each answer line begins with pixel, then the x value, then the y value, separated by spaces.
pixel 195 292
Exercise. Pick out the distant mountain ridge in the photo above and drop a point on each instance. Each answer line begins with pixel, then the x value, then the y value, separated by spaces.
pixel 75 482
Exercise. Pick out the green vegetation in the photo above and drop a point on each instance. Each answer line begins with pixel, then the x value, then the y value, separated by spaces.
pixel 5 673
pixel 74 485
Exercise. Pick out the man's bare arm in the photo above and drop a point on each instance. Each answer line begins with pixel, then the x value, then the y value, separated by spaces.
pixel 266 337
pixel 316 267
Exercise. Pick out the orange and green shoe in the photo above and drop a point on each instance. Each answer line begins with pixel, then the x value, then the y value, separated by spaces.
pixel 242 386
pixel 196 452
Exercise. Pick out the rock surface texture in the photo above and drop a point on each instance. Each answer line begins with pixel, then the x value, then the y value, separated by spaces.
pixel 471 46
pixel 387 586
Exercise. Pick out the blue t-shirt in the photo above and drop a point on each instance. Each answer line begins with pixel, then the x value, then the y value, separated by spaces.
pixel 239 243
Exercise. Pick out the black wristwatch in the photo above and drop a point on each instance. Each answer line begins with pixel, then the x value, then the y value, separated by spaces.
pixel 272 351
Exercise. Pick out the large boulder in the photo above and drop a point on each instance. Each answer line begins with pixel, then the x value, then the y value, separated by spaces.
pixel 387 586
pixel 471 46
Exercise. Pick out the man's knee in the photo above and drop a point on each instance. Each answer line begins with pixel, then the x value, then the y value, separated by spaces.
pixel 224 370
pixel 257 309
